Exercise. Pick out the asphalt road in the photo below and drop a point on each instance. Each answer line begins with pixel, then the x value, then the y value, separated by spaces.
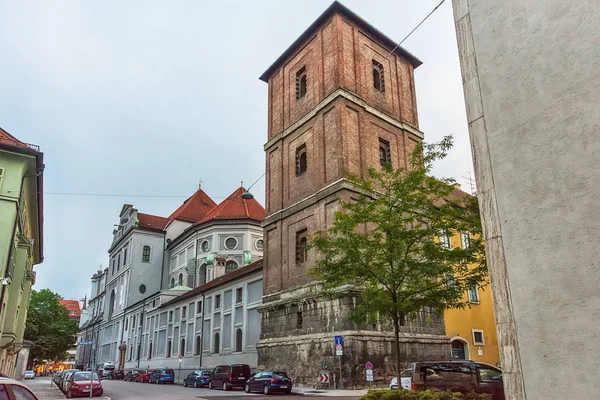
pixel 119 390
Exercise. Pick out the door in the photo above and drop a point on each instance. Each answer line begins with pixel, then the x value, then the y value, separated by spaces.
pixel 490 382
pixel 191 378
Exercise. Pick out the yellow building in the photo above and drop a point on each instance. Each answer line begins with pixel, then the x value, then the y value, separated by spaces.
pixel 473 329
pixel 21 220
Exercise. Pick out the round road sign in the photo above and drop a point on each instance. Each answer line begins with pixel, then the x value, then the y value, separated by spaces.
pixel 369 365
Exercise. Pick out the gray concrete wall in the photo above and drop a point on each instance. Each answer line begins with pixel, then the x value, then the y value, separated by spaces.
pixel 532 90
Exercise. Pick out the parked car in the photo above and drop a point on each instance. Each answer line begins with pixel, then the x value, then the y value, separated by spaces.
pixel 56 377
pixel 269 382
pixel 405 380
pixel 229 376
pixel 65 379
pixel 198 378
pixel 459 376
pixel 162 375
pixel 131 375
pixel 29 374
pixel 116 374
pixel 80 383
pixel 143 376
pixel 11 389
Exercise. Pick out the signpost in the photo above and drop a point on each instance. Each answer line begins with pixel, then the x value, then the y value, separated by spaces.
pixel 323 378
pixel 339 349
pixel 179 373
pixel 369 367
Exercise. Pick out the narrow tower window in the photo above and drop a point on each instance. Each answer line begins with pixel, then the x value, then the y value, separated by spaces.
pixel 301 83
pixel 378 76
pixel 301 160
pixel 301 247
pixel 385 155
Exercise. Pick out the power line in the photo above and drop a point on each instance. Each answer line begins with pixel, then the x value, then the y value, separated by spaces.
pixel 411 32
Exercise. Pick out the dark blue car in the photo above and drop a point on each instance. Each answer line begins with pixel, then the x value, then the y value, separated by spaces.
pixel 162 375
pixel 269 382
pixel 197 379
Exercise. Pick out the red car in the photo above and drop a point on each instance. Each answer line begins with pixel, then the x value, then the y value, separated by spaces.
pixel 80 384
pixel 143 376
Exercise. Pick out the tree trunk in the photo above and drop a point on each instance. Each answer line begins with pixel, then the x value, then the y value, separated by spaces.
pixel 396 320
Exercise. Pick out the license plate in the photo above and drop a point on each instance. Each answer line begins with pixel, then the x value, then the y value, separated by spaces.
pixel 284 387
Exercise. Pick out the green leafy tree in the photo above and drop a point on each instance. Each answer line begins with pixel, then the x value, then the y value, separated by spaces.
pixel 384 245
pixel 49 327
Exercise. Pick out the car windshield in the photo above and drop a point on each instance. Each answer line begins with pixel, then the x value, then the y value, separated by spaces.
pixel 278 376
pixel 284 374
pixel 168 371
pixel 85 376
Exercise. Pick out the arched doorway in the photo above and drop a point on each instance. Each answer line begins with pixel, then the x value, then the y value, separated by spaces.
pixel 460 349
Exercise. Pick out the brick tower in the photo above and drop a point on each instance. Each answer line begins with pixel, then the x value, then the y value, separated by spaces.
pixel 339 100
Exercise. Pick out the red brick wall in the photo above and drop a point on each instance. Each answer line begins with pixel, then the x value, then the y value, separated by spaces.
pixel 340 55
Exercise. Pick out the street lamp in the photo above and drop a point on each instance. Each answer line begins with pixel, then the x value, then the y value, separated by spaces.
pixel 247 195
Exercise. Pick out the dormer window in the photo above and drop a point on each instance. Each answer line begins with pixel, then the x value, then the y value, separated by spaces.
pixel 301 83
pixel 378 76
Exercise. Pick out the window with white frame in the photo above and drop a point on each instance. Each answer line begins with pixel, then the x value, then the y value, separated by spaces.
pixel 231 243
pixel 146 254
pixel 465 240
pixel 445 239
pixel 473 294
pixel 478 339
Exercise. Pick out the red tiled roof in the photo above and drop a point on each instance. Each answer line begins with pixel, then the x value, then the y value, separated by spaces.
pixel 8 139
pixel 238 273
pixel 194 208
pixel 235 207
pixel 149 221
pixel 71 305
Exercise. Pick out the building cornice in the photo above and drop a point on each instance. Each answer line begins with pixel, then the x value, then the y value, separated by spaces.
pixel 340 92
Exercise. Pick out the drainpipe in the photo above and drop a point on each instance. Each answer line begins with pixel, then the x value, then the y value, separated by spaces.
pixel 139 346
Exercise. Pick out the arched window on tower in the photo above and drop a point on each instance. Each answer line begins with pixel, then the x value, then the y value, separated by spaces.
pixel 378 76
pixel 172 283
pixel 301 83
pixel 180 280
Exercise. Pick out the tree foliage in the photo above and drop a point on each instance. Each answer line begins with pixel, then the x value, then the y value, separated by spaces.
pixel 384 244
pixel 49 327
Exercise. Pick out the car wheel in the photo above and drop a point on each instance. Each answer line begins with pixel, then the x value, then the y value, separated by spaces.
pixel 247 388
pixel 225 387
pixel 185 383
pixel 267 390
pixel 210 385
pixel 69 395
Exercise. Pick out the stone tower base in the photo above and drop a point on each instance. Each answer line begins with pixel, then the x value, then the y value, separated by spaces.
pixel 298 330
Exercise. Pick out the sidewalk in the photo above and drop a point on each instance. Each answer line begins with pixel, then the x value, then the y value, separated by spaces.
pixel 41 387
pixel 330 393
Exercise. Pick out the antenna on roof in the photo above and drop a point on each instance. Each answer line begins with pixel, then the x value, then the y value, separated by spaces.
pixel 200 184
pixel 241 183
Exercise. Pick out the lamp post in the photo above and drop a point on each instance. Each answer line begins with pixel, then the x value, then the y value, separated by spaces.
pixel 247 195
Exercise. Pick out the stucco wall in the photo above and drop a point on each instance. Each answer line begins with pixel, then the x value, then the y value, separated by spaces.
pixel 532 88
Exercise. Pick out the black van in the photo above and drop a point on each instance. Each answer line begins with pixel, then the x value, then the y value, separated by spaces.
pixel 229 376
pixel 459 376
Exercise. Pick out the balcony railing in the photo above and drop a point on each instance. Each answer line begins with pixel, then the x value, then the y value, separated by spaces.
pixel 15 143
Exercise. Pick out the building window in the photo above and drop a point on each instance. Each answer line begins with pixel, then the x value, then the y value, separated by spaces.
pixel 217 302
pixel 111 306
pixel 473 294
pixel 170 316
pixel 301 160
pixel 465 240
pixel 385 154
pixel 301 247
pixel 119 262
pixel 238 340
pixel 146 254
pixel 478 337
pixel 125 256
pixel 172 283
pixel 182 348
pixel 301 83
pixel 113 266
pixel 230 266
pixel 1 175
pixel 445 239
pixel 142 288
pixel 259 245
pixel 126 320
pixel 169 345
pixel 180 280
pixel 199 307
pixel 217 343
pixel 458 350
pixel 183 312
pixel 231 243
pixel 205 246
pixel 378 76
pixel 450 280
pixel 299 320
pixel 239 295
pixel 150 351
pixel 198 342
pixel 73 313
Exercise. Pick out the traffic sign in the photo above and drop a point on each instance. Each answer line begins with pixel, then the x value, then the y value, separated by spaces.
pixel 369 375
pixel 84 343
pixel 324 365
pixel 339 340
pixel 369 365
pixel 324 378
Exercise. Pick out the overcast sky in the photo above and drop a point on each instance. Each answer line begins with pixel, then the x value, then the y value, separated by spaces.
pixel 148 97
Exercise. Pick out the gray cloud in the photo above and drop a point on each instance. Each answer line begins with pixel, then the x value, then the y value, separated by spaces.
pixel 148 97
